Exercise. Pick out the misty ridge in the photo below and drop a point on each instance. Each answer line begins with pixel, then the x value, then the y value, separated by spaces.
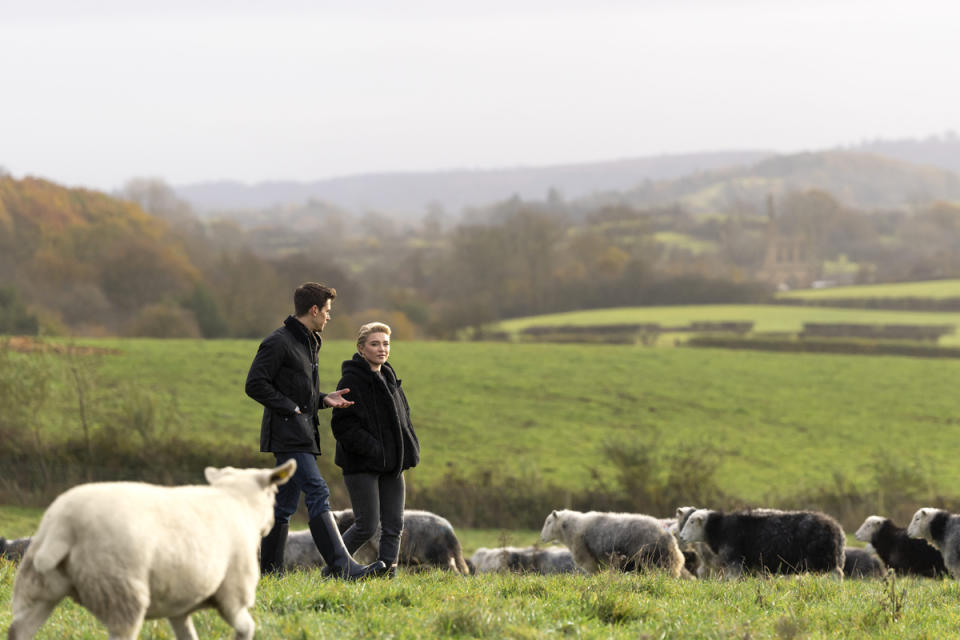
pixel 871 174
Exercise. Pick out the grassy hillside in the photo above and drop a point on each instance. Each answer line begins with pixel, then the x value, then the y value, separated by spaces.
pixel 857 179
pixel 780 422
pixel 765 317
pixel 928 289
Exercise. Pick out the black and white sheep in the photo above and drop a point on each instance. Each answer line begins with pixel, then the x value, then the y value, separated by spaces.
pixel 543 561
pixel 862 563
pixel 941 529
pixel 900 552
pixel 13 550
pixel 769 540
pixel 428 540
pixel 626 541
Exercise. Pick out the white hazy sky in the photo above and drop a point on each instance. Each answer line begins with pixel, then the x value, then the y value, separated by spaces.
pixel 95 93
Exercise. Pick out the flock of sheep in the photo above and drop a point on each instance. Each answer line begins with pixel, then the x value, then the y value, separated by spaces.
pixel 125 569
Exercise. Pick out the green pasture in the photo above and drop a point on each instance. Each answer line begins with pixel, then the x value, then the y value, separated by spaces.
pixel 773 318
pixel 438 604
pixel 781 423
pixel 926 289
pixel 683 241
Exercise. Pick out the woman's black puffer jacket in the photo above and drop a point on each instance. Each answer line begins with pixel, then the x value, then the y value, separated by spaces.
pixel 375 434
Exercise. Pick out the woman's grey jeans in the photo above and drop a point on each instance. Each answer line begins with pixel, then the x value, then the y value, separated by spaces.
pixel 377 501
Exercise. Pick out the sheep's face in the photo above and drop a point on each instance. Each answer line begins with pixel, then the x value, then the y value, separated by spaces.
pixel 682 514
pixel 694 529
pixel 919 527
pixel 257 486
pixel 869 528
pixel 551 528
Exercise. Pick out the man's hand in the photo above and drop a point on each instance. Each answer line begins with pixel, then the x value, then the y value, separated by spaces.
pixel 336 399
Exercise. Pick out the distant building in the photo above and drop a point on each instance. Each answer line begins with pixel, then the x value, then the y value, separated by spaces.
pixel 791 261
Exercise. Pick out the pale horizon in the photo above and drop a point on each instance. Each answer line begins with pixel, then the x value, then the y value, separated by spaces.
pixel 99 93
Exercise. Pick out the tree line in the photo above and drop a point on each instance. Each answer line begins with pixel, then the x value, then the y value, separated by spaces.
pixel 142 262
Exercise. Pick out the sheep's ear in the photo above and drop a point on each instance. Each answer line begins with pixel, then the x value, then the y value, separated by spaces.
pixel 554 513
pixel 284 472
pixel 211 474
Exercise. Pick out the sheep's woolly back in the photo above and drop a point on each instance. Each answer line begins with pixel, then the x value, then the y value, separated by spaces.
pixel 769 540
pixel 622 540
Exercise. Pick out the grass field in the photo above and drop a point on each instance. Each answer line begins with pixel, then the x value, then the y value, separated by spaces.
pixel 781 422
pixel 765 317
pixel 926 289
pixel 441 605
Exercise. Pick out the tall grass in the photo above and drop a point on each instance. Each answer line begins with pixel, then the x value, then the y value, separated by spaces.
pixel 608 605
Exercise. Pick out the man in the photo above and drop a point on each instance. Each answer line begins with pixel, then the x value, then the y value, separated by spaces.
pixel 284 379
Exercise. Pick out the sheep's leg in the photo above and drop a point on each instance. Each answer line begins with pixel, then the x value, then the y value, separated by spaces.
pixel 242 623
pixel 732 571
pixel 27 619
pixel 183 627
pixel 120 631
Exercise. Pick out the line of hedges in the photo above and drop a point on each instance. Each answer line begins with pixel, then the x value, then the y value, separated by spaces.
pixel 890 304
pixel 825 345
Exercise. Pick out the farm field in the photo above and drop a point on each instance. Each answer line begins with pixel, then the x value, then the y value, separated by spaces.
pixel 438 604
pixel 925 289
pixel 780 423
pixel 766 318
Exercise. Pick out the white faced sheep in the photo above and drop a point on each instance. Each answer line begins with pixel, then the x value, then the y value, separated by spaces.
pixel 862 563
pixel 768 540
pixel 941 529
pixel 900 552
pixel 13 550
pixel 131 551
pixel 625 541
pixel 542 561
pixel 707 563
pixel 428 540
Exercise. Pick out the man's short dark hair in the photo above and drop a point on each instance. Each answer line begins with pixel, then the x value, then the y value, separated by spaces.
pixel 309 294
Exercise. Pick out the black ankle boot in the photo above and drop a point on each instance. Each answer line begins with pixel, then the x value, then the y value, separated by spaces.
pixel 271 549
pixel 326 536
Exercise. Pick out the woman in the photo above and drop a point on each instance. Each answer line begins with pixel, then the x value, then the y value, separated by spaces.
pixel 375 444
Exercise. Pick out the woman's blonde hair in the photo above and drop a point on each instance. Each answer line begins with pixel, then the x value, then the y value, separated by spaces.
pixel 371 327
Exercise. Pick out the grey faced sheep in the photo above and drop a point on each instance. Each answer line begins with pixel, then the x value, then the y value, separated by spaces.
pixel 769 540
pixel 900 552
pixel 542 561
pixel 131 551
pixel 862 563
pixel 13 550
pixel 941 529
pixel 624 541
pixel 428 540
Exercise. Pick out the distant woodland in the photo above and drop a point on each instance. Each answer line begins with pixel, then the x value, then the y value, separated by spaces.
pixel 142 262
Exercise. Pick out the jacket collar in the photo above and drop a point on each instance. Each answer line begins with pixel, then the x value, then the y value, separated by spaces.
pixel 361 366
pixel 310 339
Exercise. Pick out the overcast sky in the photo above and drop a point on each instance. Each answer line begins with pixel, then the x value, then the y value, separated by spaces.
pixel 95 93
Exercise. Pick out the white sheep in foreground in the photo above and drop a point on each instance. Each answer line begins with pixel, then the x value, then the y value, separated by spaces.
pixel 130 551
pixel 942 530
pixel 627 541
